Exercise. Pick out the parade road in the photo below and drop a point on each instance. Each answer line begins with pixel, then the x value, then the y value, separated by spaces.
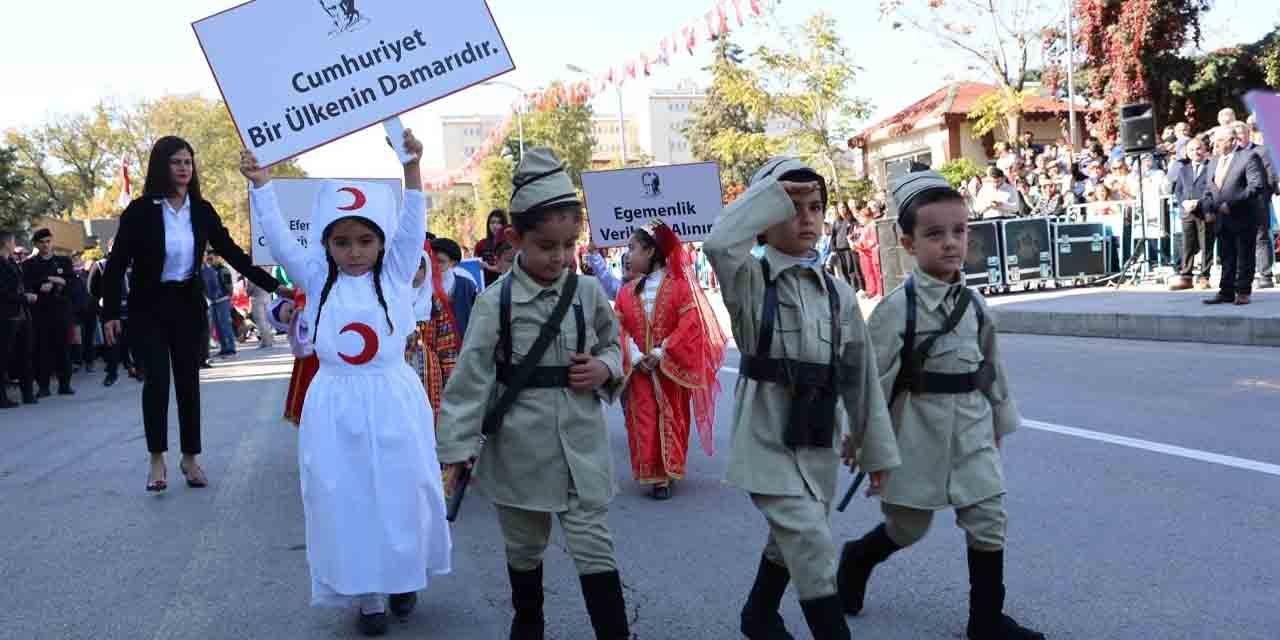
pixel 1144 502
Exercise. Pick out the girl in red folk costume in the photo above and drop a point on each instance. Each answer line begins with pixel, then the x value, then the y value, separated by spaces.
pixel 672 351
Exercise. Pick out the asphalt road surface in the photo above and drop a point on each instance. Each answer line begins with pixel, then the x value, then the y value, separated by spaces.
pixel 1144 502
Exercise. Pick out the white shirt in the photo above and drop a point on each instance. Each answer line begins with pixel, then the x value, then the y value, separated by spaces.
pixel 648 298
pixel 179 242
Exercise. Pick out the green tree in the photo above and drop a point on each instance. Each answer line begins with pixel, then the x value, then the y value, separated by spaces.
pixel 960 171
pixel 455 218
pixel 207 125
pixel 21 200
pixel 496 173
pixel 726 128
pixel 807 88
pixel 564 125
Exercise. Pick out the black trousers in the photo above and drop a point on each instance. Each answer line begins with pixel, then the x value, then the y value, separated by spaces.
pixel 15 354
pixel 121 352
pixel 1237 245
pixel 53 354
pixel 167 335
pixel 88 351
pixel 1198 237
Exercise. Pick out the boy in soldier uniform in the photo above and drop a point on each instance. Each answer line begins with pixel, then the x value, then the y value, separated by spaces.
pixel 940 366
pixel 546 445
pixel 807 367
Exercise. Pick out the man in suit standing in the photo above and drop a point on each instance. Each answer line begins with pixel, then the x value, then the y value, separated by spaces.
pixel 1232 200
pixel 1191 180
pixel 1249 138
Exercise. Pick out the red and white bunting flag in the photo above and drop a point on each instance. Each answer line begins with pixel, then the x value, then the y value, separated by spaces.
pixel 710 19
pixel 644 61
pixel 722 19
pixel 126 186
pixel 756 9
pixel 737 10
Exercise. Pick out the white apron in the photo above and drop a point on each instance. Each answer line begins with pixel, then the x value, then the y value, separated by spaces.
pixel 371 487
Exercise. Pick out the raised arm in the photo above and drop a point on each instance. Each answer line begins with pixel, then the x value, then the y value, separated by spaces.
pixel 267 216
pixel 734 234
pixel 220 240
pixel 609 282
pixel 405 251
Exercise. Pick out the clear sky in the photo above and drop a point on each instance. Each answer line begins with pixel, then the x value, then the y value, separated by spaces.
pixel 63 55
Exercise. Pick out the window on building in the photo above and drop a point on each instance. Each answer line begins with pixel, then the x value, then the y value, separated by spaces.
pixel 901 165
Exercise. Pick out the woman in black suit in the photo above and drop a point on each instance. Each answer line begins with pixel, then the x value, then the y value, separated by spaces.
pixel 163 236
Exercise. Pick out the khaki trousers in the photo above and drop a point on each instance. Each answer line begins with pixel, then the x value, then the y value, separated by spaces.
pixel 800 540
pixel 586 533
pixel 983 524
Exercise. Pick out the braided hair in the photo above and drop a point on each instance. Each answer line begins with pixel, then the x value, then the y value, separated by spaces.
pixel 333 272
pixel 658 258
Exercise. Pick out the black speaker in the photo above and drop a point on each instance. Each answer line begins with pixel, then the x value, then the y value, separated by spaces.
pixel 895 262
pixel 1137 128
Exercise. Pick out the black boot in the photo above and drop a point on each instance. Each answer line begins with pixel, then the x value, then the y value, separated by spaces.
pixel 5 402
pixel 826 618
pixel 987 620
pixel 760 618
pixel 526 598
pixel 403 604
pixel 608 611
pixel 856 562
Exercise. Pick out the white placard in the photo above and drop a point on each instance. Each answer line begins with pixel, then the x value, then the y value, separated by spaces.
pixel 685 196
pixel 297 74
pixel 296 197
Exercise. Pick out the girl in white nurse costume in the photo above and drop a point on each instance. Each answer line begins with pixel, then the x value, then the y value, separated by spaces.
pixel 371 488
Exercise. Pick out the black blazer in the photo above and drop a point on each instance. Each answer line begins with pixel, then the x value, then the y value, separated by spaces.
pixel 1188 186
pixel 140 243
pixel 1244 183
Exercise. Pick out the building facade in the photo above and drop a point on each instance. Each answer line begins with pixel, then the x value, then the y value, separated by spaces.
pixel 463 135
pixel 669 112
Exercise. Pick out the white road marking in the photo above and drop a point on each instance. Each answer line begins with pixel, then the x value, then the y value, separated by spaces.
pixel 1158 447
pixel 1145 445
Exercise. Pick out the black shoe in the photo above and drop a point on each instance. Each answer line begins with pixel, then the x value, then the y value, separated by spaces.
pixel 44 392
pixel 6 403
pixel 205 365
pixel 66 391
pixel 110 380
pixel 402 604
pixel 605 605
pixel 857 559
pixel 826 618
pixel 526 598
pixel 987 620
pixel 373 624
pixel 29 398
pixel 760 617
pixel 660 492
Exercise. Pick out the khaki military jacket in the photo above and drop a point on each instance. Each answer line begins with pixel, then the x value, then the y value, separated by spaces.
pixel 552 440
pixel 759 460
pixel 948 441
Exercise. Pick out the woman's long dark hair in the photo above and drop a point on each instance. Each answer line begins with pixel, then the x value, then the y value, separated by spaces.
pixel 159 183
pixel 658 257
pixel 501 215
pixel 333 272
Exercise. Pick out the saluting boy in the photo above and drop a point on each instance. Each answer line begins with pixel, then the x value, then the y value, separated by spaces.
pixel 807 367
pixel 950 404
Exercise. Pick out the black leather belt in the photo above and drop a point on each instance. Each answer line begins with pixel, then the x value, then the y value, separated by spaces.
pixel 945 383
pixel 541 378
pixel 791 372
pixel 178 284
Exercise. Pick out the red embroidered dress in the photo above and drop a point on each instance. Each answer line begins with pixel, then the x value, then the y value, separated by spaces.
pixel 661 405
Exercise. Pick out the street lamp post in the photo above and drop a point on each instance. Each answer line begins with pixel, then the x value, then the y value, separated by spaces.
pixel 519 109
pixel 622 121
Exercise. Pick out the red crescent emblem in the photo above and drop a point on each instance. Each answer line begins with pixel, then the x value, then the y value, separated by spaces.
pixel 370 343
pixel 358 201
